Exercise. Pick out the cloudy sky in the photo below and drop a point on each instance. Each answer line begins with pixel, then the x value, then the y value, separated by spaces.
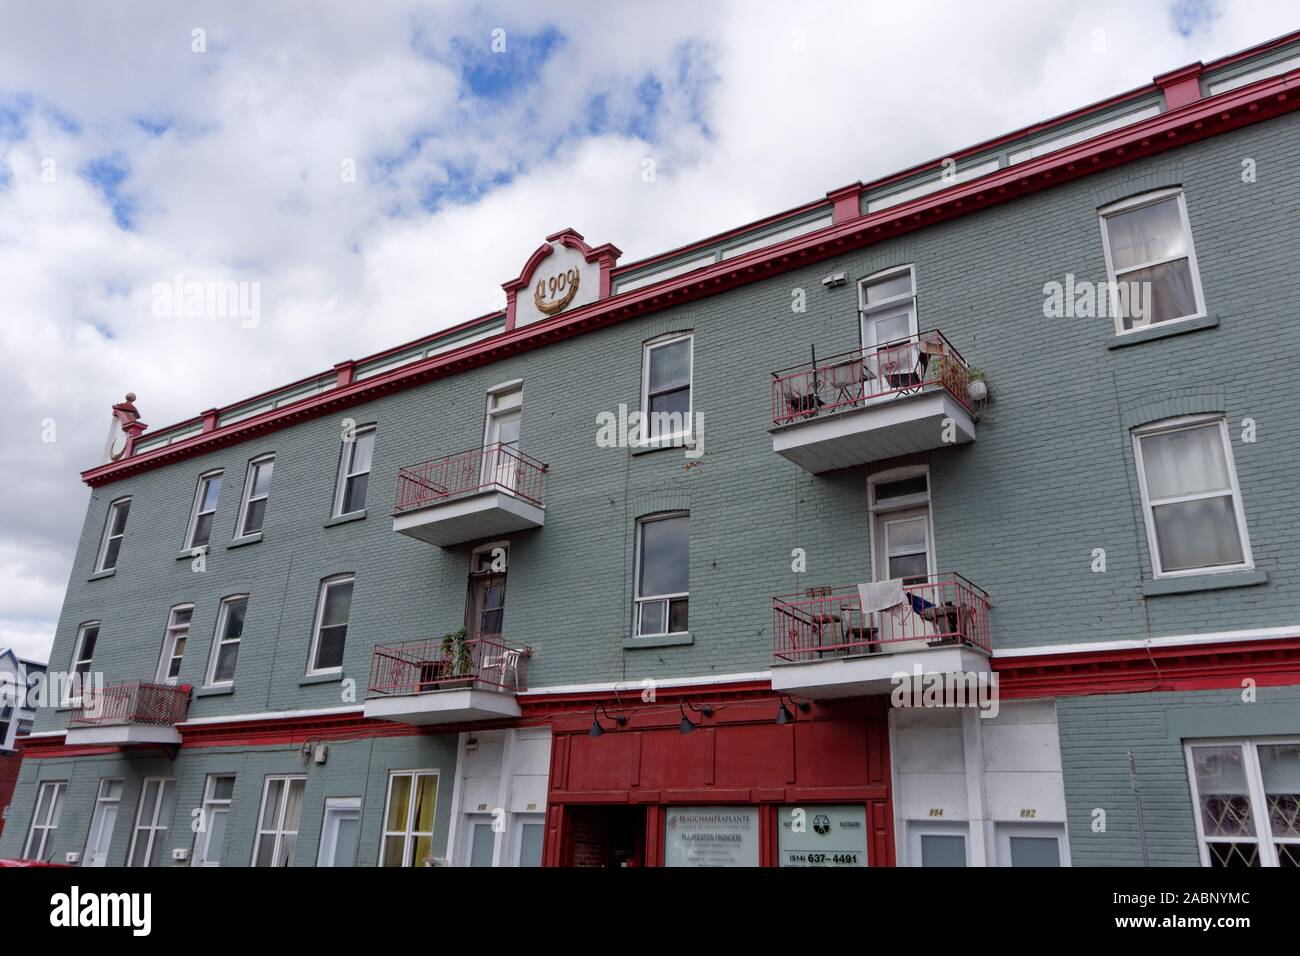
pixel 128 156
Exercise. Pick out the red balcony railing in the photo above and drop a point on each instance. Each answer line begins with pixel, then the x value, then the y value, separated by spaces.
pixel 133 702
pixel 502 467
pixel 853 379
pixel 416 667
pixel 819 623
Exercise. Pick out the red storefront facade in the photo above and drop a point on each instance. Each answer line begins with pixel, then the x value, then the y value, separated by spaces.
pixel 610 795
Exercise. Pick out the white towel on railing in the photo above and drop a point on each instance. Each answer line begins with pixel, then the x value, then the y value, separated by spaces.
pixel 881 595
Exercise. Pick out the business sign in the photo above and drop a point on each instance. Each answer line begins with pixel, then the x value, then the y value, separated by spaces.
pixel 822 836
pixel 711 836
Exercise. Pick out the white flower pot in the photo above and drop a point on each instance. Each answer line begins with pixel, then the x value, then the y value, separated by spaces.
pixel 977 389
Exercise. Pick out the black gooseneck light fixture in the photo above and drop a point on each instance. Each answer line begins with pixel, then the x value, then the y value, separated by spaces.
pixel 596 729
pixel 783 715
pixel 687 725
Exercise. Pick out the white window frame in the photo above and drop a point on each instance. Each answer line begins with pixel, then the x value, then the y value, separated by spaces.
pixel 1003 832
pixel 78 658
pixel 684 435
pixel 948 828
pixel 1136 202
pixel 278 832
pixel 219 641
pixel 154 829
pixel 1255 788
pixel 50 824
pixel 248 498
pixel 866 311
pixel 211 805
pixel 1148 507
pixel 102 805
pixel 409 833
pixel 493 466
pixel 347 451
pixel 199 494
pixel 169 643
pixel 638 599
pixel 107 538
pixel 325 585
pixel 336 808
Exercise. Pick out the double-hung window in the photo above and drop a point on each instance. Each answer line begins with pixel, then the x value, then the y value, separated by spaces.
pixel 214 815
pixel 354 471
pixel 151 821
pixel 1247 801
pixel 257 489
pixel 1149 256
pixel 45 821
pixel 174 640
pixel 1194 517
pixel 408 818
pixel 277 829
pixel 205 509
pixel 333 609
pixel 102 822
pixel 666 390
pixel 114 530
pixel 662 574
pixel 83 654
pixel 225 642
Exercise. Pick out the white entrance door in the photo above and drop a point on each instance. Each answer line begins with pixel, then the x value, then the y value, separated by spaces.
pixel 103 821
pixel 482 839
pixel 888 308
pixel 339 831
pixel 501 438
pixel 904 549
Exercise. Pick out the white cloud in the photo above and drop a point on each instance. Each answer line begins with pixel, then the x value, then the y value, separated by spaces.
pixel 757 107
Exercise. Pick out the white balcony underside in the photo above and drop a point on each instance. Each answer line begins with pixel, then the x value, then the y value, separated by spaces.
pixel 882 428
pixel 869 674
pixel 122 735
pixel 487 514
pixel 443 707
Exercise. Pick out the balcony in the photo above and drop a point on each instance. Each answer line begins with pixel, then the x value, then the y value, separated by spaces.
pixel 475 494
pixel 825 645
pixel 131 712
pixel 451 680
pixel 870 404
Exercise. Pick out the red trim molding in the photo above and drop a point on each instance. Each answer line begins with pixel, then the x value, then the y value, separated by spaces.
pixel 1272 663
pixel 1206 117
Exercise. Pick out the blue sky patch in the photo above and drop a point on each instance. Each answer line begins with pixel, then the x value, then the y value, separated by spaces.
pixel 107 174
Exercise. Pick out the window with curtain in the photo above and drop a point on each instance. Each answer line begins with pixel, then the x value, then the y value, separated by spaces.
pixel 1247 796
pixel 1148 240
pixel 1190 497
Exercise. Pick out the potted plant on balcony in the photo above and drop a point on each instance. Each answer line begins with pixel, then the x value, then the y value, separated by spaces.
pixel 457 660
pixel 977 387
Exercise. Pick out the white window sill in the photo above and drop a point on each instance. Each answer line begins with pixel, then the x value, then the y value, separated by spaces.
pixel 100 575
pixel 1161 330
pixel 253 538
pixel 680 639
pixel 215 690
pixel 322 677
pixel 1208 581
pixel 345 519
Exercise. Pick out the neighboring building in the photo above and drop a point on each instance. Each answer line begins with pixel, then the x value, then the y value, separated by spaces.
pixel 683 667
pixel 16 717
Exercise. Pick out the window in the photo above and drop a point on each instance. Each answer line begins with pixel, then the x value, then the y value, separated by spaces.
pixel 6 718
pixel 1247 799
pixel 1147 240
pixel 354 472
pixel 277 829
pixel 339 831
pixel 1190 498
pixel 661 575
pixel 178 632
pixel 937 844
pixel 102 822
pixel 45 820
pixel 225 643
pixel 408 818
pixel 205 509
pixel 83 653
pixel 151 819
pixel 332 612
pixel 1032 844
pixel 528 841
pixel 114 529
pixel 482 840
pixel 257 488
pixel 501 462
pixel 210 841
pixel 666 389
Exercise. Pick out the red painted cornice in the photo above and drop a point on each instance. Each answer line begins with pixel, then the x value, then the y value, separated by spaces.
pixel 1198 120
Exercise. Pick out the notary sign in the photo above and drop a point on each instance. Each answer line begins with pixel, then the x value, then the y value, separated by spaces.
pixel 822 836
pixel 711 836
